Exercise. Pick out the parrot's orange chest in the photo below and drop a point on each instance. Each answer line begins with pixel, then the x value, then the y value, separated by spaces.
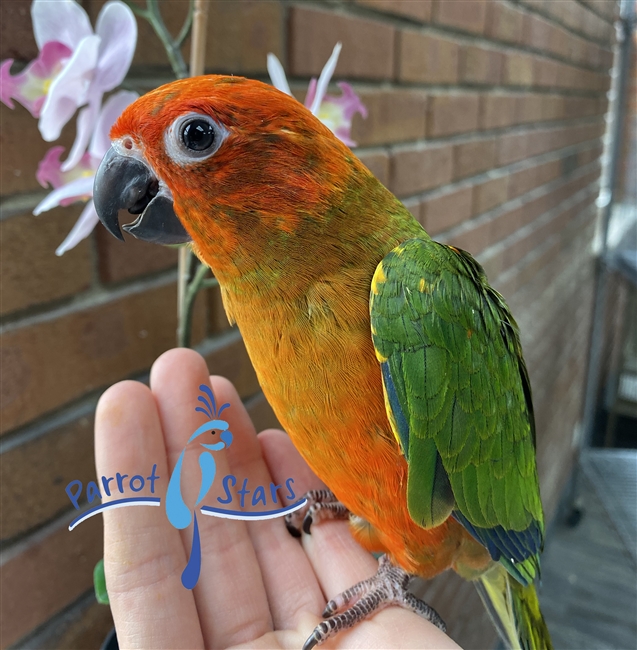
pixel 315 361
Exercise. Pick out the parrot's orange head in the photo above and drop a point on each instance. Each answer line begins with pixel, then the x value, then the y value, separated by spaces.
pixel 231 164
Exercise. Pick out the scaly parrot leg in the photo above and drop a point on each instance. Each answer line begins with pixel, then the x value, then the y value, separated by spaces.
pixel 321 505
pixel 387 587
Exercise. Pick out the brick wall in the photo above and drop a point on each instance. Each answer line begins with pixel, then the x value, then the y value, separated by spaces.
pixel 485 118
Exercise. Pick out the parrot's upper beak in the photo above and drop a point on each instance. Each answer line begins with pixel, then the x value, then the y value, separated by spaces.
pixel 127 183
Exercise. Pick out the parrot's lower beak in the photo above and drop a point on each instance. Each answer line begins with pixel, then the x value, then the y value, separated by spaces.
pixel 127 183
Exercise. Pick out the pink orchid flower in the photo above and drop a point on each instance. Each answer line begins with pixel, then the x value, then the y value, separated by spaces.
pixel 335 112
pixel 77 183
pixel 75 67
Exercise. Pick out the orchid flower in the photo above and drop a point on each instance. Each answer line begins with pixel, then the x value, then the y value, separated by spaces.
pixel 75 67
pixel 77 183
pixel 335 112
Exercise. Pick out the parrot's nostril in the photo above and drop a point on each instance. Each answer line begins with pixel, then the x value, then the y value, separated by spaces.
pixel 142 203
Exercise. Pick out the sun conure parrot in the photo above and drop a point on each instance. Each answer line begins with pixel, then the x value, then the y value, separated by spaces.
pixel 393 365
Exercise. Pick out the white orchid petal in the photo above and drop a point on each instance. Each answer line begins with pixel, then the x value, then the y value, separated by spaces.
pixel 324 79
pixel 112 109
pixel 117 27
pixel 68 90
pixel 61 20
pixel 84 127
pixel 277 74
pixel 81 230
pixel 75 189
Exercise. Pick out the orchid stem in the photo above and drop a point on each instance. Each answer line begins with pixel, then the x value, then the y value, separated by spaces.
pixel 185 29
pixel 170 44
pixel 187 291
pixel 136 9
pixel 185 322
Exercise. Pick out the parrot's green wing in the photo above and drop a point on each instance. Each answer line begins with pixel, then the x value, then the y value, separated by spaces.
pixel 458 398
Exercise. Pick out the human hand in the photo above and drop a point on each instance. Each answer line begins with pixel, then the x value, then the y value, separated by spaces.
pixel 259 587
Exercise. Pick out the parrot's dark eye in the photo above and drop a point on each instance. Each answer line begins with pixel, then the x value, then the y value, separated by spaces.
pixel 198 135
pixel 193 137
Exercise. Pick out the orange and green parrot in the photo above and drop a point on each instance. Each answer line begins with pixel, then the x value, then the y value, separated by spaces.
pixel 393 365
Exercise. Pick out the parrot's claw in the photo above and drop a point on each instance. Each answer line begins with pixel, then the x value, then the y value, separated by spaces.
pixel 387 587
pixel 321 505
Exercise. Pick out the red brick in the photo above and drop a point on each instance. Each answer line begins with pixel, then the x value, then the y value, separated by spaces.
pixel 416 169
pixel 518 69
pixel 492 264
pixel 368 45
pixel 522 181
pixel 497 110
pixel 545 72
pixel 84 625
pixel 31 272
pixel 240 35
pixel 489 194
pixel 473 239
pixel 481 65
pixel 413 205
pixel 584 157
pixel 606 8
pixel 544 140
pixel 394 116
pixel 506 224
pixel 16 31
pixel 549 171
pixel 378 163
pixel 504 22
pixel 571 77
pixel 120 261
pixel 553 107
pixel 47 575
pixel 452 113
pixel 23 148
pixel 470 158
pixel 445 210
pixel 570 46
pixel 417 9
pixel 466 15
pixel 424 58
pixel 35 473
pixel 238 39
pixel 528 108
pixel 537 32
pixel 511 148
pixel 92 348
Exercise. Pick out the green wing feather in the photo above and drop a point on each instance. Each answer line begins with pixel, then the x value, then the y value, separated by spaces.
pixel 458 398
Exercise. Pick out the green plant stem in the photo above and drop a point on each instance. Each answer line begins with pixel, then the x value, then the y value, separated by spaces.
pixel 185 324
pixel 185 29
pixel 170 44
pixel 136 9
pixel 210 283
pixel 187 290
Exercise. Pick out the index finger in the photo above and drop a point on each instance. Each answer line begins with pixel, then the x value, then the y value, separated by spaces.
pixel 143 553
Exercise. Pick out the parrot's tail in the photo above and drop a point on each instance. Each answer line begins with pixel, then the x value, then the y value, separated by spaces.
pixel 514 609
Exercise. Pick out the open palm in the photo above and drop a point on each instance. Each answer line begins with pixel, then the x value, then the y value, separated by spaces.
pixel 259 587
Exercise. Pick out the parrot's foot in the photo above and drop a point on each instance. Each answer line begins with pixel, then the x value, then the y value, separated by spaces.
pixel 321 505
pixel 387 587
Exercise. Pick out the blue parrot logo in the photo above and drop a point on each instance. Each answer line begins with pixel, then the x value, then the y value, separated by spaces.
pixel 179 514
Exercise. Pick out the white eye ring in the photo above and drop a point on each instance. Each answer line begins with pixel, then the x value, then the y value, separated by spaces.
pixel 202 131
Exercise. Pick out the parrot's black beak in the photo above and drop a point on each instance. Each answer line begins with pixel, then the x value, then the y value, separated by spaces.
pixel 127 183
